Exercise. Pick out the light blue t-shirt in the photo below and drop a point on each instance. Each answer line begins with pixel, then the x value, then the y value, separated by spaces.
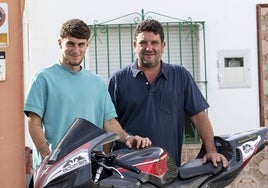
pixel 59 96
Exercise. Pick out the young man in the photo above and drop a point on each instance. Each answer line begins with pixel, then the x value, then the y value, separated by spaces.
pixel 151 97
pixel 65 91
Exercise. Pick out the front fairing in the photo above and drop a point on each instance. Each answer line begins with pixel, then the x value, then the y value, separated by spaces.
pixel 78 134
pixel 72 153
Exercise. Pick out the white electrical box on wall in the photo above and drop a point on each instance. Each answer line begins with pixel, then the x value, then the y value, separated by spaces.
pixel 234 71
pixel 2 66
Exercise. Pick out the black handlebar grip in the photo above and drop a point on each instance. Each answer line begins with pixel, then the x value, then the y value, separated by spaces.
pixel 126 166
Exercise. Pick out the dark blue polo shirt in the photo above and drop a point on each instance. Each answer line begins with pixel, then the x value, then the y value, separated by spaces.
pixel 156 110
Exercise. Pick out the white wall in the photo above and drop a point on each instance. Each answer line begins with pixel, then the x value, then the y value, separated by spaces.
pixel 230 25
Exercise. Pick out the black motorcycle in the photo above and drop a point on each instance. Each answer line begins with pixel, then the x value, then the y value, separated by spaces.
pixel 78 161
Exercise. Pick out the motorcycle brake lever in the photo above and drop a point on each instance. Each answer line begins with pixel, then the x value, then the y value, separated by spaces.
pixel 112 169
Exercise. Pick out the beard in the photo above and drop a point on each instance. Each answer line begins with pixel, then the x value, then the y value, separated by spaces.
pixel 149 63
pixel 72 62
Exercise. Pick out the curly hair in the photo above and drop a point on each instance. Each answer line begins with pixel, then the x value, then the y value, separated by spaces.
pixel 75 28
pixel 150 25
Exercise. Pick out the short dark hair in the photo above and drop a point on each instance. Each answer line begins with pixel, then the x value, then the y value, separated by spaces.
pixel 75 28
pixel 150 25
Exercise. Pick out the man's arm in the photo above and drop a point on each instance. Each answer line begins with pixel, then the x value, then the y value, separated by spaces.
pixel 205 131
pixel 37 135
pixel 113 125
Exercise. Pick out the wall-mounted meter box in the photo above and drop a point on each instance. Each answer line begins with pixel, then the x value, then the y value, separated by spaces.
pixel 234 71
pixel 2 66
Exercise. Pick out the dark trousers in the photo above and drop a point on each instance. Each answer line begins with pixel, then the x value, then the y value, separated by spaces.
pixel 31 184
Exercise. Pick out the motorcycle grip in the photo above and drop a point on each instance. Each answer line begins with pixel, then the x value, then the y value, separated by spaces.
pixel 126 166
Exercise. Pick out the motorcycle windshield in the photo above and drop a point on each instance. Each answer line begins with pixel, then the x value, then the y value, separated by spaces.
pixel 80 132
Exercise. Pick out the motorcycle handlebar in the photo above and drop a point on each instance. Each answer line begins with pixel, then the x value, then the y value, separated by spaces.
pixel 111 161
pixel 126 166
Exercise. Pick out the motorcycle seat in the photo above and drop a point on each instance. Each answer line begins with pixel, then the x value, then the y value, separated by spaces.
pixel 196 167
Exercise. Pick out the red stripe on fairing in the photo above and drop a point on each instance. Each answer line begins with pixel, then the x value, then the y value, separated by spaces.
pixel 156 167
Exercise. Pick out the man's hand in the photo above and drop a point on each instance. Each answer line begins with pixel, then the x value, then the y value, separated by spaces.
pixel 137 142
pixel 113 125
pixel 215 158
